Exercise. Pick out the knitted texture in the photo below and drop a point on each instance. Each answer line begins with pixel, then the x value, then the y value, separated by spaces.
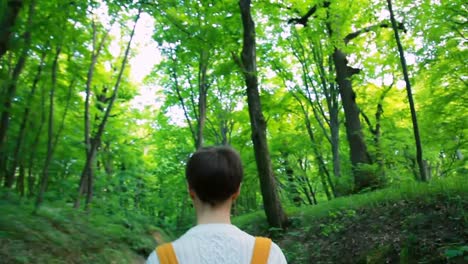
pixel 217 243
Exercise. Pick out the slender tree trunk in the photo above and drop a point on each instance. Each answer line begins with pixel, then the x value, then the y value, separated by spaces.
pixel 335 146
pixel 274 211
pixel 322 167
pixel 20 183
pixel 292 190
pixel 376 132
pixel 7 23
pixel 306 191
pixel 419 152
pixel 35 144
pixel 379 157
pixel 331 93
pixel 335 131
pixel 107 160
pixel 202 96
pixel 31 181
pixel 50 135
pixel 96 140
pixel 11 84
pixel 306 185
pixel 323 171
pixel 311 190
pixel 177 88
pixel 65 112
pixel 97 47
pixel 22 131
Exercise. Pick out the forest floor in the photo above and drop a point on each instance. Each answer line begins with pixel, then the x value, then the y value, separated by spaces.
pixel 415 223
pixel 59 234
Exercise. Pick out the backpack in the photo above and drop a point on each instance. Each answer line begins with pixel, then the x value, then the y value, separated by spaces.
pixel 261 251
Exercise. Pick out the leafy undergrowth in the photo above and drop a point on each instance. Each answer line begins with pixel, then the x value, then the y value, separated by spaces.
pixel 417 223
pixel 63 235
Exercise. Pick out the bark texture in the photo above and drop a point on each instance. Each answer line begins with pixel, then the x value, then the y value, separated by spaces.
pixel 357 146
pixel 10 88
pixel 274 211
pixel 7 23
pixel 202 96
pixel 22 133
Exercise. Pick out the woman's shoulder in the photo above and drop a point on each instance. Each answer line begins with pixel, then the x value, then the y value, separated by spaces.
pixel 152 258
pixel 276 255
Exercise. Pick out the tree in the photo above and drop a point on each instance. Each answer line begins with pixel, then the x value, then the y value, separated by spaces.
pixel 86 174
pixel 419 153
pixel 50 130
pixel 7 22
pixel 273 209
pixel 11 85
pixel 358 150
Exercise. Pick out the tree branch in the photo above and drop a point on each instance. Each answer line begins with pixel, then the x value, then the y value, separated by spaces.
pixel 305 18
pixel 357 33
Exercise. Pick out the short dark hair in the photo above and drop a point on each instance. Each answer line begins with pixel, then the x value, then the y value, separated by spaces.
pixel 214 173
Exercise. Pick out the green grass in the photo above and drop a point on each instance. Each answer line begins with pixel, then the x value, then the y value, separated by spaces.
pixel 411 223
pixel 64 235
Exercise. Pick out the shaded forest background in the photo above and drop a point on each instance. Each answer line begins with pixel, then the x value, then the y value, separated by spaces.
pixel 332 101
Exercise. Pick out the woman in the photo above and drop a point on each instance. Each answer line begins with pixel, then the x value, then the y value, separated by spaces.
pixel 214 176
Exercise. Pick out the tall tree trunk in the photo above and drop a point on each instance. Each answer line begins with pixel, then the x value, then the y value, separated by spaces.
pixel 359 155
pixel 7 22
pixel 11 85
pixel 419 152
pixel 50 135
pixel 35 144
pixel 20 183
pixel 202 96
pixel 335 146
pixel 22 132
pixel 96 140
pixel 274 211
pixel 331 92
pixel 97 47
pixel 335 129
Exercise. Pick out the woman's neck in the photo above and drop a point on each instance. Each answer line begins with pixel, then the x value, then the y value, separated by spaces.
pixel 207 214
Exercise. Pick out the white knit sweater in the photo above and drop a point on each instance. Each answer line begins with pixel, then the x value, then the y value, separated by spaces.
pixel 217 243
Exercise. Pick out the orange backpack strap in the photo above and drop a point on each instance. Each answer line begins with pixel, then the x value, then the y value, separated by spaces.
pixel 261 250
pixel 166 254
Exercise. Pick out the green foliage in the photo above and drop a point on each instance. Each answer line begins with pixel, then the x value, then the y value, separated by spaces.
pixel 139 186
pixel 62 235
pixel 454 253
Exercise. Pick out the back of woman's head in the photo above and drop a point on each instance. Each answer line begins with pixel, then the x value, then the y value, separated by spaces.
pixel 214 173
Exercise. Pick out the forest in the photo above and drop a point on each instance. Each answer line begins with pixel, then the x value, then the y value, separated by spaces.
pixel 350 118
